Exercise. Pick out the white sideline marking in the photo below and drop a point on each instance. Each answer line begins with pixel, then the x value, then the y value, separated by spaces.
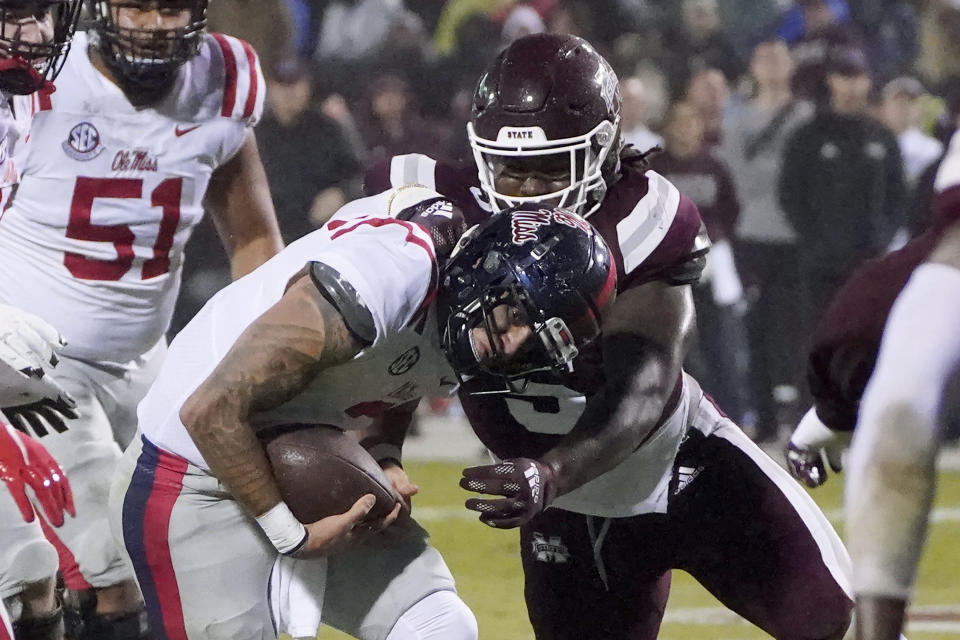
pixel 718 616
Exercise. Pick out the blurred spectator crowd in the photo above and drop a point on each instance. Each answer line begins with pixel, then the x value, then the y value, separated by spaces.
pixel 807 132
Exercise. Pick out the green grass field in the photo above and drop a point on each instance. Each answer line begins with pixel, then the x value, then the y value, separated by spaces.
pixel 485 564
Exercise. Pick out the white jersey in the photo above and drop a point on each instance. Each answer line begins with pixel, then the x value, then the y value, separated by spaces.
pixel 15 114
pixel 109 194
pixel 392 266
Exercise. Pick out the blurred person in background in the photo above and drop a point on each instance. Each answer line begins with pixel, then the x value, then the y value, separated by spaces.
pixel 698 42
pixel 891 38
pixel 268 26
pixel 311 166
pixel 634 115
pixel 841 185
pixel 521 21
pixel 355 29
pixel 767 252
pixel 390 123
pixel 709 92
pixel 822 27
pixel 720 358
pixel 900 111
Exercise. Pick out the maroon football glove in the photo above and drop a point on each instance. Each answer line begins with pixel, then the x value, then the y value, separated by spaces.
pixel 25 463
pixel 527 487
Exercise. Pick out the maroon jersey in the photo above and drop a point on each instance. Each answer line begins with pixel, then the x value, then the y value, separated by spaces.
pixel 845 344
pixel 654 233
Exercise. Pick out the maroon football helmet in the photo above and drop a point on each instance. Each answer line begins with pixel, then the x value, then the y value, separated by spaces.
pixel 552 98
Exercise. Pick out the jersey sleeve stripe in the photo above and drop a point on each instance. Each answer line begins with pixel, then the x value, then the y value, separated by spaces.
pixel 647 225
pixel 230 81
pixel 413 168
pixel 416 236
pixel 251 104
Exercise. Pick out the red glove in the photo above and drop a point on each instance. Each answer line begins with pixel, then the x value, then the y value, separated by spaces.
pixel 25 463
pixel 528 488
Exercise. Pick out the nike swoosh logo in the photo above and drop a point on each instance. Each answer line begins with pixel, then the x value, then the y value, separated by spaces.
pixel 182 132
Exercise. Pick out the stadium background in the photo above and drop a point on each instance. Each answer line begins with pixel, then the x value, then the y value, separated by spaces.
pixel 352 82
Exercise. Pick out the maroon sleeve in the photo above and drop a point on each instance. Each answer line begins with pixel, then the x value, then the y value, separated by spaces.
pixel 679 258
pixel 459 184
pixel 946 208
pixel 846 342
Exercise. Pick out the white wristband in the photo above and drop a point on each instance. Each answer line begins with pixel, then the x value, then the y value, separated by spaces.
pixel 284 530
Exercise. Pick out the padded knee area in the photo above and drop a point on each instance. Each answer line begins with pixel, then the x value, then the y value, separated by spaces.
pixel 45 627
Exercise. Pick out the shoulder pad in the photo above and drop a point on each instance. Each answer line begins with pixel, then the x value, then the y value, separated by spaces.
pixel 345 299
pixel 243 83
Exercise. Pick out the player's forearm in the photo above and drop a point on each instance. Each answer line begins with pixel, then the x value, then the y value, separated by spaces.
pixel 613 425
pixel 247 257
pixel 235 456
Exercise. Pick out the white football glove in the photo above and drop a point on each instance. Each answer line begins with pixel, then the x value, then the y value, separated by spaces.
pixel 29 396
pixel 812 447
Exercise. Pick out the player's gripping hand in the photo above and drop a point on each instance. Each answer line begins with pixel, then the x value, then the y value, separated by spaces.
pixel 527 486
pixel 402 485
pixel 29 397
pixel 332 533
pixel 25 463
pixel 812 447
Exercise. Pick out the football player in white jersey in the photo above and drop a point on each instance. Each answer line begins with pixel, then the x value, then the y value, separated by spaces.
pixel 34 39
pixel 152 119
pixel 892 466
pixel 365 298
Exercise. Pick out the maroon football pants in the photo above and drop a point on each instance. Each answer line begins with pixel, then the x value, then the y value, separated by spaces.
pixel 728 523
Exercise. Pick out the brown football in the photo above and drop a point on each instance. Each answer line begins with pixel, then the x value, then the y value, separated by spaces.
pixel 322 471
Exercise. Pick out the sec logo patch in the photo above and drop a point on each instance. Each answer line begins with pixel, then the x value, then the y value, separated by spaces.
pixel 404 362
pixel 83 142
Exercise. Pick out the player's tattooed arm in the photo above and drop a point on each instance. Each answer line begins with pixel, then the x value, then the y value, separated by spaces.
pixel 644 339
pixel 270 363
pixel 239 200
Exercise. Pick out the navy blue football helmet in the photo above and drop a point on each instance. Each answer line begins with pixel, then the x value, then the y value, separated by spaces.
pixel 553 273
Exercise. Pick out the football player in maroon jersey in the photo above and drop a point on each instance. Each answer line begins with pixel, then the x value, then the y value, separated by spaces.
pixel 642 473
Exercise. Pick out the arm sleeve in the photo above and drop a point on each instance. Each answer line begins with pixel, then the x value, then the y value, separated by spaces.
pixel 389 263
pixel 891 471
